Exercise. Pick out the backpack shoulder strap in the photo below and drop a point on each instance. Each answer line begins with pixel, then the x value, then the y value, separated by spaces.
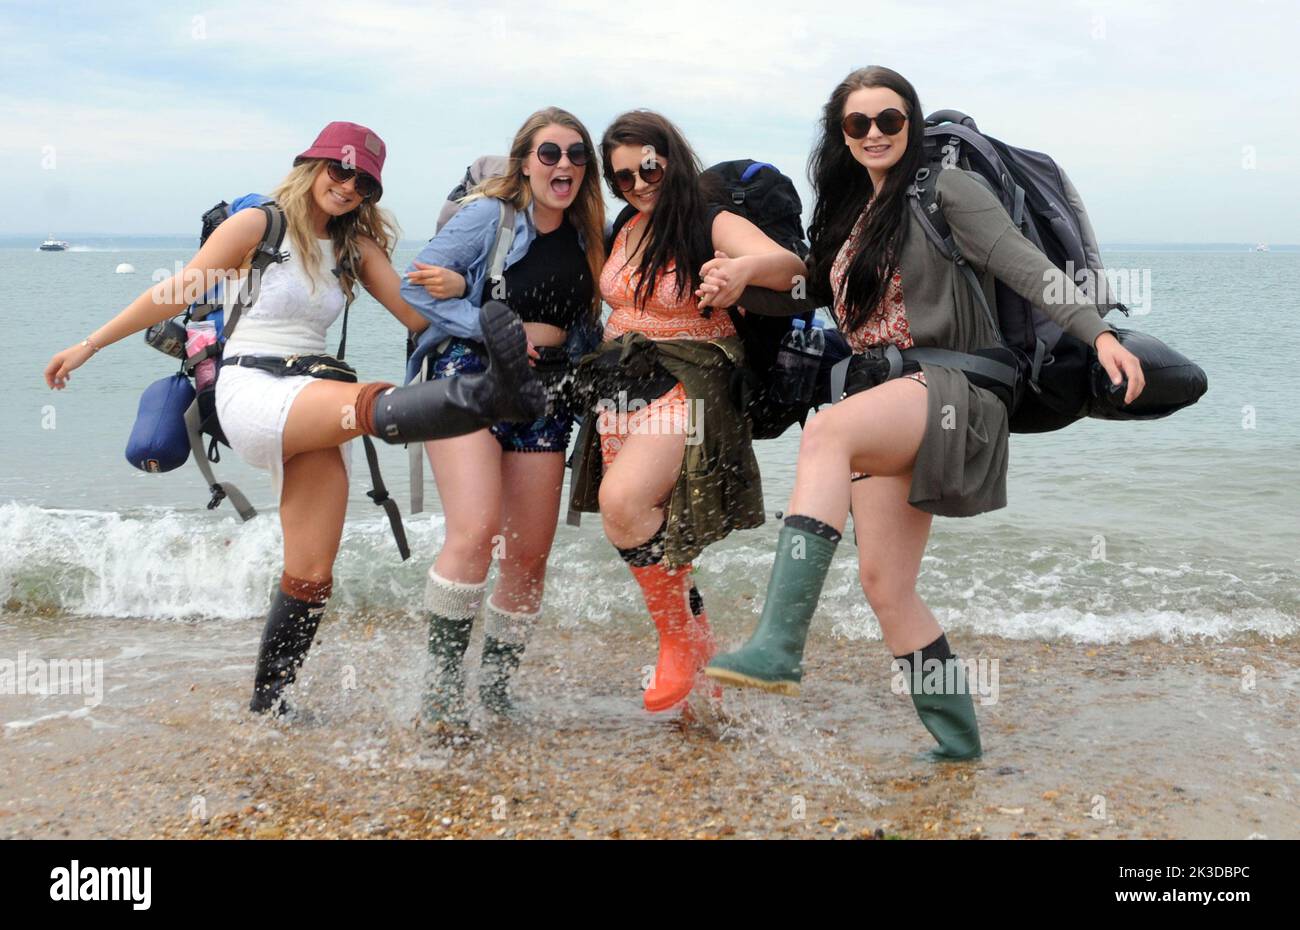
pixel 922 200
pixel 221 490
pixel 344 265
pixel 267 253
pixel 924 205
pixel 619 222
pixel 505 238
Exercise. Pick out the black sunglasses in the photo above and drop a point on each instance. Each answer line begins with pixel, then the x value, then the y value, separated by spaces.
pixel 548 153
pixel 626 180
pixel 366 186
pixel 857 125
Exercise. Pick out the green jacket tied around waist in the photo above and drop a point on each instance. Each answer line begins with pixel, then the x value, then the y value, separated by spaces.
pixel 719 488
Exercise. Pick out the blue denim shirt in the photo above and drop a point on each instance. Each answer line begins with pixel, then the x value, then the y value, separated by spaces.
pixel 463 246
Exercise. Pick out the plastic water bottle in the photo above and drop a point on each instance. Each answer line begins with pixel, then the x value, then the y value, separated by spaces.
pixel 814 350
pixel 793 384
pixel 816 345
pixel 197 336
pixel 797 334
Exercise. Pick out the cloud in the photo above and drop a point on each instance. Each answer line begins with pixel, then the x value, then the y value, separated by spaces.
pixel 1142 104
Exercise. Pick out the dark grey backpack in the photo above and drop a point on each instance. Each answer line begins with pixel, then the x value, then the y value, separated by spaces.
pixel 1048 210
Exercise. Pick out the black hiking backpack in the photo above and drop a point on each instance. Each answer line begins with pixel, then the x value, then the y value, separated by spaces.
pixel 1048 211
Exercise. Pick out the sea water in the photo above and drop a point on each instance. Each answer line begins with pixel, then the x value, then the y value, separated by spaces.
pixel 1183 527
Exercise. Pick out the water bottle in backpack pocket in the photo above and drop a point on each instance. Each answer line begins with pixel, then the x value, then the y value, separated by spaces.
pixel 794 379
pixel 198 336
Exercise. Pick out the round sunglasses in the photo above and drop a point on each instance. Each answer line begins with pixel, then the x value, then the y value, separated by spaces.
pixel 548 153
pixel 626 180
pixel 857 125
pixel 365 186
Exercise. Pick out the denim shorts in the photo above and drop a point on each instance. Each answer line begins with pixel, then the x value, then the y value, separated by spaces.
pixel 549 433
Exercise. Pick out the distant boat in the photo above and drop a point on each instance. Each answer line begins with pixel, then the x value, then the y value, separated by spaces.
pixel 54 245
pixel 1262 247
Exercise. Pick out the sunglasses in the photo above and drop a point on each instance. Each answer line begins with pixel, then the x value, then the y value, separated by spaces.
pixel 548 153
pixel 626 180
pixel 366 186
pixel 857 125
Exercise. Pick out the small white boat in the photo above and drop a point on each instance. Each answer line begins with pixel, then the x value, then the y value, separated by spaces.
pixel 54 245
pixel 1262 247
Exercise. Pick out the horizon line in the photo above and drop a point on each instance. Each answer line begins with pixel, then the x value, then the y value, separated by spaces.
pixel 40 237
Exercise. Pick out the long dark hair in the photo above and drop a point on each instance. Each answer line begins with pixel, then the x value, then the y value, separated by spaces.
pixel 842 187
pixel 679 231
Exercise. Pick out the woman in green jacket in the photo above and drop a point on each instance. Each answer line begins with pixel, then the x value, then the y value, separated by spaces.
pixel 930 442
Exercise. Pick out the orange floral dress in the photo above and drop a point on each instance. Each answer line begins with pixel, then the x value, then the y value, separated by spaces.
pixel 664 316
pixel 887 323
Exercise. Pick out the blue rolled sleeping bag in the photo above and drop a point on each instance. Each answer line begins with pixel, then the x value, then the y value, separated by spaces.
pixel 1173 381
pixel 158 440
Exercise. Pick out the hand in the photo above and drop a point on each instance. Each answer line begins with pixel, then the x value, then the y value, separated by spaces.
pixel 441 283
pixel 722 279
pixel 1120 363
pixel 59 370
pixel 533 354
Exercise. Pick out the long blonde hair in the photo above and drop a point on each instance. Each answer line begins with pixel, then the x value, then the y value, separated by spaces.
pixel 368 220
pixel 587 213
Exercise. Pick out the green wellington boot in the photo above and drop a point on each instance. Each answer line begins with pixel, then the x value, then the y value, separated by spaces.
pixel 444 698
pixel 772 658
pixel 500 661
pixel 950 718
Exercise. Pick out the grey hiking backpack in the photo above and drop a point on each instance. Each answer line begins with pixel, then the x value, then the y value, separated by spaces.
pixel 1049 212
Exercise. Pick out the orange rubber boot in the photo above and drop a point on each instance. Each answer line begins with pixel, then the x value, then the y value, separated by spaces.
pixel 685 640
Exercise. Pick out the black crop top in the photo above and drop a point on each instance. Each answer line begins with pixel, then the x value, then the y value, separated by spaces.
pixel 551 283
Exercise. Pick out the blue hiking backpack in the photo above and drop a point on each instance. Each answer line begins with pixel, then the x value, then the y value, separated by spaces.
pixel 173 418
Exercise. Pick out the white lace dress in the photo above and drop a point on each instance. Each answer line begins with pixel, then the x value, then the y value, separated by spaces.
pixel 291 316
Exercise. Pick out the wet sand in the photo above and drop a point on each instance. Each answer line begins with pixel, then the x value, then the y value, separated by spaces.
pixel 1146 740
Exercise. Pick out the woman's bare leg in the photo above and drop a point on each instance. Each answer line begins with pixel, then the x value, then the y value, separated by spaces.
pixel 877 431
pixel 529 515
pixel 635 488
pixel 323 415
pixel 312 507
pixel 892 536
pixel 467 470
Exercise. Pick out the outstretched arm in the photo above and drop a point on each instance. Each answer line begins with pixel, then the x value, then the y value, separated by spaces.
pixel 222 256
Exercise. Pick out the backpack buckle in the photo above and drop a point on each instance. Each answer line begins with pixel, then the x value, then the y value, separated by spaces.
pixel 218 495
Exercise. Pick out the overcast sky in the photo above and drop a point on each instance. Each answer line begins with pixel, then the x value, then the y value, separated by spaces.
pixel 1176 121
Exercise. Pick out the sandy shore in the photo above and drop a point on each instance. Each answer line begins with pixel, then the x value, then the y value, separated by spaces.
pixel 1146 740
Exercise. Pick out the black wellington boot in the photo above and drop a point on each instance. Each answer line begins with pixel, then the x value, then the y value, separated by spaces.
pixel 500 661
pixel 290 628
pixel 507 390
